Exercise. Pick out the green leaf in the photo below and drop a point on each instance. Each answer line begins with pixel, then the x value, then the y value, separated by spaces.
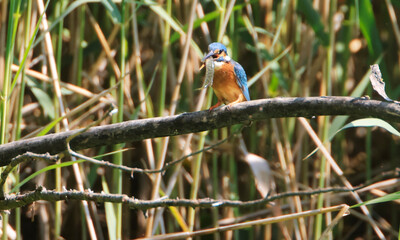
pixel 43 98
pixel 28 48
pixel 51 167
pixel 365 122
pixel 110 213
pixel 65 91
pixel 387 198
pixel 369 29
pixel 313 18
pixel 67 11
pixel 111 153
pixel 113 11
pixel 370 122
pixel 257 76
pixel 49 126
pixel 155 7
pixel 207 18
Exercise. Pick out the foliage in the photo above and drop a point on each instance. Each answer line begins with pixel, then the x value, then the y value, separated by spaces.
pixel 153 49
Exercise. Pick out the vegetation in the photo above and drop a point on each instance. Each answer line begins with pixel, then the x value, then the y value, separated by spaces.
pixel 147 54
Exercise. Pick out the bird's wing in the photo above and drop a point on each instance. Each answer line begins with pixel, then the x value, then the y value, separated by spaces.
pixel 241 79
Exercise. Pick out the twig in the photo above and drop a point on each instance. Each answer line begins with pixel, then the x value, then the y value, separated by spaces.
pixel 28 156
pixel 19 200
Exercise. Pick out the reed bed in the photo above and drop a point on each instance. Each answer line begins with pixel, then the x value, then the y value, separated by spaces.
pixel 55 56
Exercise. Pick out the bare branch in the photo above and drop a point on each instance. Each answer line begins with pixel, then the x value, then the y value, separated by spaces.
pixel 28 156
pixel 132 170
pixel 137 130
pixel 19 200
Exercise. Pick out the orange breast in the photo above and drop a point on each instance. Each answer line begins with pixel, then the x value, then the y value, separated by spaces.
pixel 225 86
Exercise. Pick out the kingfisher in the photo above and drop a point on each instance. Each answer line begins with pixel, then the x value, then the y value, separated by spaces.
pixel 230 80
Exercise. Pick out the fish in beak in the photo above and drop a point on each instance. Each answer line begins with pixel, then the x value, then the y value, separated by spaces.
pixel 208 55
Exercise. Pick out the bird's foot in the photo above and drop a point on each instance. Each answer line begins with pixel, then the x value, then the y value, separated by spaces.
pixel 230 105
pixel 215 106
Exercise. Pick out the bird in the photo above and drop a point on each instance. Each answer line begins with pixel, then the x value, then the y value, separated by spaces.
pixel 230 80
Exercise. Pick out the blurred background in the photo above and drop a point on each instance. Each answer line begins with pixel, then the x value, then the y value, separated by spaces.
pixel 147 54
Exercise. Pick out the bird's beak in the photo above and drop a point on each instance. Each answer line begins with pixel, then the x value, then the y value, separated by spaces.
pixel 208 55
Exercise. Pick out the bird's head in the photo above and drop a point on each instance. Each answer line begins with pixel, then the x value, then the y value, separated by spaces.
pixel 215 50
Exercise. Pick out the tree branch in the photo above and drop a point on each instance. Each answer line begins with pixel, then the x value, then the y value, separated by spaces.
pixel 20 200
pixel 137 130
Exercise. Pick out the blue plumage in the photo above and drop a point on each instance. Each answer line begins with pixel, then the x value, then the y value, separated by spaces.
pixel 217 46
pixel 241 79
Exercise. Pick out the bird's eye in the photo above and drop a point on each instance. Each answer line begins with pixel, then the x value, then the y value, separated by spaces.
pixel 220 51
